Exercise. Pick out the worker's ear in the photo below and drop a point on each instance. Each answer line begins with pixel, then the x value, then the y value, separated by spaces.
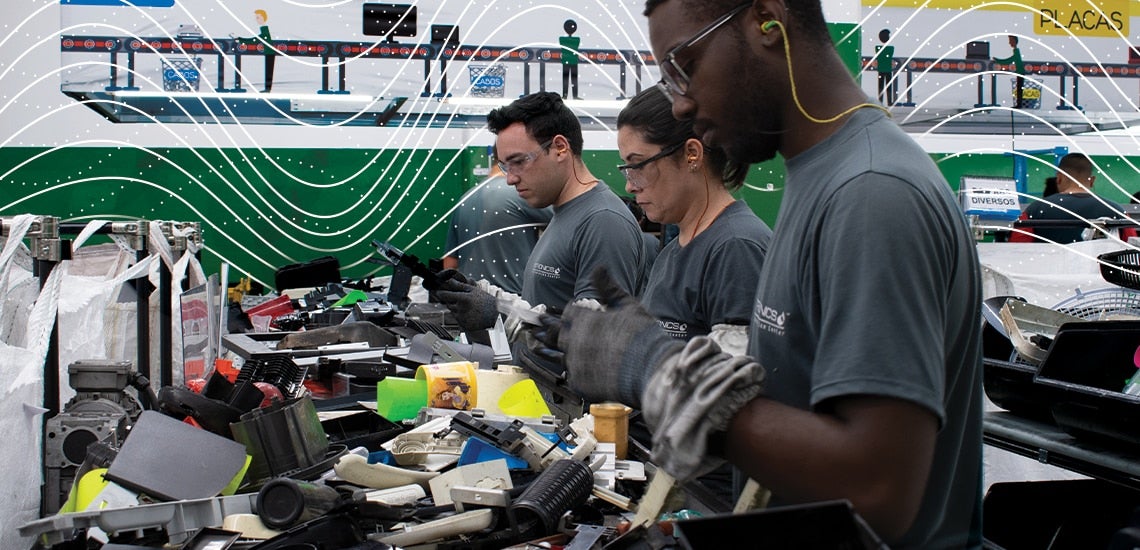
pixel 694 151
pixel 560 144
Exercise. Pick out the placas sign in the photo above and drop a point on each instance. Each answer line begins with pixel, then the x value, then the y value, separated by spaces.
pixel 994 198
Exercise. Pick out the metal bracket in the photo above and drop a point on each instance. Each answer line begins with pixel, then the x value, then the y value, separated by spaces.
pixel 135 233
pixel 179 234
pixel 43 237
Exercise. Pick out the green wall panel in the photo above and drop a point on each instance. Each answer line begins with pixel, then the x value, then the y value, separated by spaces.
pixel 1115 177
pixel 261 210
pixel 848 42
pixel 264 209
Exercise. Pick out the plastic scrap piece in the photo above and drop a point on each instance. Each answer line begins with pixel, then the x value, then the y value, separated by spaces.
pixel 459 524
pixel 356 469
pixel 484 475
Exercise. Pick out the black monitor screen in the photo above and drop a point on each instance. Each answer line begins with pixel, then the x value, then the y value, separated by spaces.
pixel 978 50
pixel 389 20
pixel 445 34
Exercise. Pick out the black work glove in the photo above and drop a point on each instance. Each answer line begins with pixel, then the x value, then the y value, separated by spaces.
pixel 473 309
pixel 609 355
pixel 442 277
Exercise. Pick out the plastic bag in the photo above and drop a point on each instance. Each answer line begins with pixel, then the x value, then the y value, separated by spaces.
pixel 21 394
pixel 22 357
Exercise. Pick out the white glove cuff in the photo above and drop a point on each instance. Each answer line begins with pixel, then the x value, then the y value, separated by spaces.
pixel 732 339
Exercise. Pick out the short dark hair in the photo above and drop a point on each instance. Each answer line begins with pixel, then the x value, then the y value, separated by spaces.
pixel 806 15
pixel 650 113
pixel 1076 165
pixel 544 115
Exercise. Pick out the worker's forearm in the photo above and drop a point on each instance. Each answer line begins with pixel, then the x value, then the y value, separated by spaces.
pixel 805 456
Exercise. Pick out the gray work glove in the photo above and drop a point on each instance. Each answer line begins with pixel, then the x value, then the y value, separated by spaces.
pixel 473 309
pixel 609 355
pixel 692 395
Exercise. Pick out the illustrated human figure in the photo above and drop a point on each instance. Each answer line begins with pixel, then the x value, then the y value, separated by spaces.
pixel 266 41
pixel 1018 67
pixel 885 65
pixel 570 44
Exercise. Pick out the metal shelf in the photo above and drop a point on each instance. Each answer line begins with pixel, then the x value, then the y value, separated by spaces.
pixel 1049 444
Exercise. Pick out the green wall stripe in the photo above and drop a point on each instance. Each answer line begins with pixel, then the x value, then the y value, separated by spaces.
pixel 261 210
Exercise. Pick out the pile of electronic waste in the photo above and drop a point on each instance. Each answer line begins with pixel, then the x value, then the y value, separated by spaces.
pixel 345 418
pixel 286 475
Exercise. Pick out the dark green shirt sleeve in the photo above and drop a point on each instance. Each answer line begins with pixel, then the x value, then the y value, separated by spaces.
pixel 263 38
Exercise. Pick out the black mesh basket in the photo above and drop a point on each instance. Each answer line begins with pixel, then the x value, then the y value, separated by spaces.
pixel 1121 268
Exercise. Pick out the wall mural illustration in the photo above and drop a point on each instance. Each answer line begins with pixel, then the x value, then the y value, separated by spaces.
pixel 354 121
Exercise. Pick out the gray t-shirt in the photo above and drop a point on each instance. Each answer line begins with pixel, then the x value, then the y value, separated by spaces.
pixel 594 228
pixel 481 228
pixel 712 280
pixel 871 286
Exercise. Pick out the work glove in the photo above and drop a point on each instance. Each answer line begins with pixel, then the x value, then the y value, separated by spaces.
pixel 608 355
pixel 451 275
pixel 694 394
pixel 473 309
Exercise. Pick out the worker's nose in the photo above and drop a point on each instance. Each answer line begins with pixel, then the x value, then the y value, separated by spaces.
pixel 683 107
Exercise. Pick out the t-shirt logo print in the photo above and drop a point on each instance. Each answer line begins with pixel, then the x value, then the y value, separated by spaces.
pixel 676 329
pixel 769 318
pixel 548 271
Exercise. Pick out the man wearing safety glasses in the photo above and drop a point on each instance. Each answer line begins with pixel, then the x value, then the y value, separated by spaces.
pixel 864 376
pixel 538 146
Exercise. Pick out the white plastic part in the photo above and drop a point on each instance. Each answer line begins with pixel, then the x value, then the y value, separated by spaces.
pixel 619 500
pixel 652 503
pixel 492 474
pixel 396 496
pixel 459 524
pixel 492 384
pixel 752 497
pixel 426 450
pixel 356 469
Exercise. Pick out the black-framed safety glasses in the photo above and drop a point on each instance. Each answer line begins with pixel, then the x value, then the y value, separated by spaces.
pixel 632 171
pixel 674 79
